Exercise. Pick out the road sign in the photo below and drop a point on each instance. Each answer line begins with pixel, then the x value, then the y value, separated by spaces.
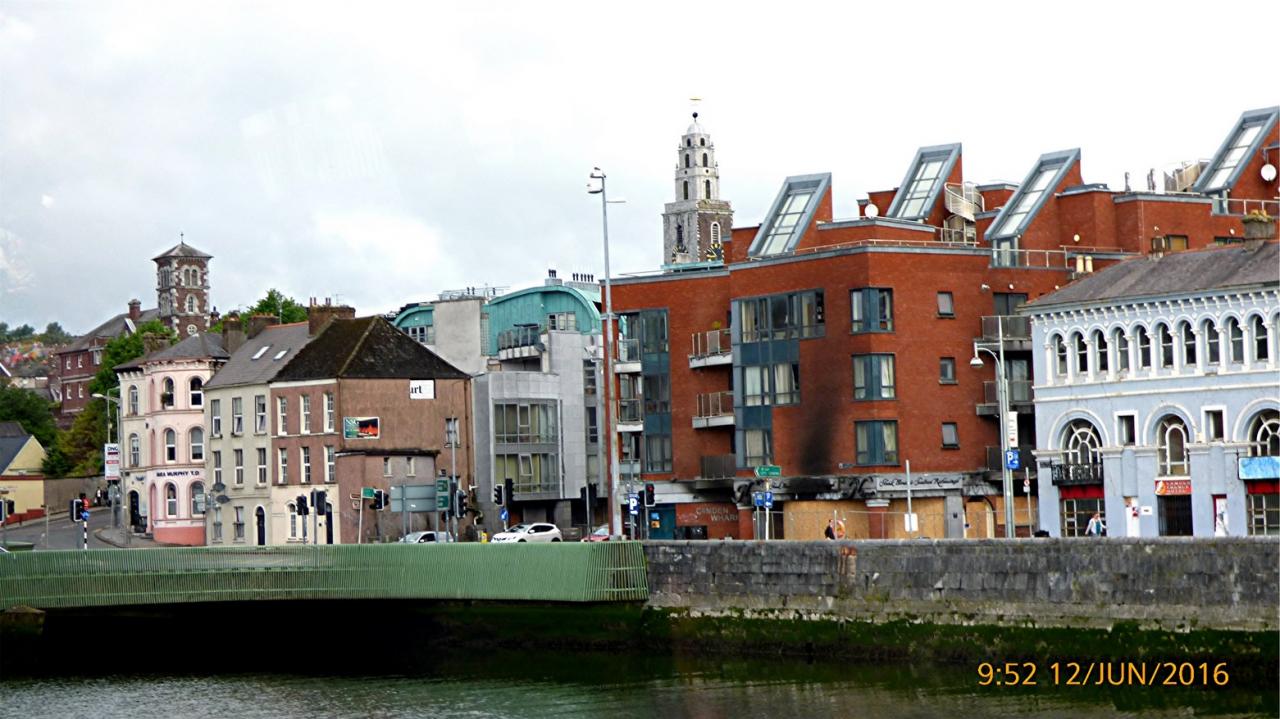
pixel 768 500
pixel 84 515
pixel 1011 459
pixel 1026 486
pixel 1011 428
pixel 757 498
pixel 111 460
pixel 503 514
pixel 442 485
pixel 633 504
pixel 768 470
pixel 366 493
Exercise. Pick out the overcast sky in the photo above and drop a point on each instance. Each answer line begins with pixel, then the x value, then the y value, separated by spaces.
pixel 383 152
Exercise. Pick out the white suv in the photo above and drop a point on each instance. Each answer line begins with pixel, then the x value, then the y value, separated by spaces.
pixel 533 532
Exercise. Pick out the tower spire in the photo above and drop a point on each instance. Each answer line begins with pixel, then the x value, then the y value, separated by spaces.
pixel 693 225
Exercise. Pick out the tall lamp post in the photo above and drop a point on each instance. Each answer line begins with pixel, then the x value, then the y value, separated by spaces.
pixel 116 496
pixel 1002 402
pixel 615 510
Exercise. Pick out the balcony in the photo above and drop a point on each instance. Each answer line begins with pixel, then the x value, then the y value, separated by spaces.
pixel 520 341
pixel 714 410
pixel 995 459
pixel 629 468
pixel 718 466
pixel 1073 474
pixel 630 415
pixel 626 359
pixel 1020 397
pixel 1015 329
pixel 711 348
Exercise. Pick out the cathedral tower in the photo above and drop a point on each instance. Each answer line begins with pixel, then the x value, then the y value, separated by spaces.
pixel 694 226
pixel 182 289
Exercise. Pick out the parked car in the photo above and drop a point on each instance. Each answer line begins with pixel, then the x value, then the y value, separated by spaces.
pixel 532 532
pixel 601 534
pixel 426 537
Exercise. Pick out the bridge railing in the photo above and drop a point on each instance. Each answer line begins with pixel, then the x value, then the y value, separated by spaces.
pixel 561 572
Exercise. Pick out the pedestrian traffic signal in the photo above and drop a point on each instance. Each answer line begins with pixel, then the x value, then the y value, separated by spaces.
pixel 649 492
pixel 379 499
pixel 462 503
pixel 318 500
pixel 302 505
pixel 73 512
pixel 497 496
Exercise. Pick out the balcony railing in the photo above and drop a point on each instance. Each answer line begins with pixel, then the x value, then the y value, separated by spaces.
pixel 1019 392
pixel 718 466
pixel 712 343
pixel 1012 327
pixel 628 350
pixel 630 411
pixel 995 459
pixel 1076 473
pixel 1243 206
pixel 521 336
pixel 715 404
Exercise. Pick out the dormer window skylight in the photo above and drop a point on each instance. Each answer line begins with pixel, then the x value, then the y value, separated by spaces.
pixel 1225 167
pixel 790 215
pixel 280 354
pixel 260 352
pixel 1032 194
pixel 923 183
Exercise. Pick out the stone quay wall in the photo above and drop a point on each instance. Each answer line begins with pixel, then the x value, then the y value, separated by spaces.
pixel 1165 585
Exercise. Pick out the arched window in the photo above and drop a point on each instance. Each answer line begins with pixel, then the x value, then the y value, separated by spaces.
pixel 1144 347
pixel 293 521
pixel 1165 338
pixel 133 400
pixel 702 141
pixel 191 304
pixel 708 188
pixel 1060 352
pixel 686 159
pixel 135 451
pixel 1259 338
pixel 1171 447
pixel 197 392
pixel 715 233
pixel 197 444
pixel 688 142
pixel 171 500
pixel 1235 341
pixel 1121 341
pixel 704 160
pixel 1264 434
pixel 1100 350
pixel 166 393
pixel 1188 339
pixel 686 189
pixel 1082 353
pixel 1212 342
pixel 1080 443
pixel 170 445
pixel 197 498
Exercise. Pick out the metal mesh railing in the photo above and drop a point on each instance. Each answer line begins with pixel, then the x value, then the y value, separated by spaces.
pixel 562 572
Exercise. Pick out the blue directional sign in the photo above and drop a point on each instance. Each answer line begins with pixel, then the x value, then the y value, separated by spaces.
pixel 768 500
pixel 1011 459
pixel 84 515
pixel 633 504
pixel 758 498
pixel 504 514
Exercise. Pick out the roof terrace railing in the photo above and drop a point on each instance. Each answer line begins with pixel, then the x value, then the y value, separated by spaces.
pixel 1243 206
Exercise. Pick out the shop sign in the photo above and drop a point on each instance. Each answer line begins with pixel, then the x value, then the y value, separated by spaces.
pixel 360 428
pixel 1172 487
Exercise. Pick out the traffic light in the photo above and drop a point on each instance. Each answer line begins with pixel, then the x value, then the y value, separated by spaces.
pixel 649 492
pixel 318 499
pixel 6 509
pixel 462 503
pixel 497 495
pixel 302 505
pixel 73 512
pixel 379 499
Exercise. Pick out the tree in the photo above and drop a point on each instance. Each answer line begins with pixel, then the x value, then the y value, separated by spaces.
pixel 121 350
pixel 22 332
pixel 274 303
pixel 31 411
pixel 55 335
pixel 81 446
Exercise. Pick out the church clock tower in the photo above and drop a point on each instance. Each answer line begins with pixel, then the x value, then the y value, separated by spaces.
pixel 695 225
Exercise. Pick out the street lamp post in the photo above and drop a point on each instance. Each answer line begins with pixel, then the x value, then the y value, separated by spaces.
pixel 615 511
pixel 1002 403
pixel 116 497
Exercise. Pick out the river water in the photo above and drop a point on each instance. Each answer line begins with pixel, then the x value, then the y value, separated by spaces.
pixel 565 685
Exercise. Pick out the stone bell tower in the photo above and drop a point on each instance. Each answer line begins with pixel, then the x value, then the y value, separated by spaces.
pixel 182 289
pixel 694 226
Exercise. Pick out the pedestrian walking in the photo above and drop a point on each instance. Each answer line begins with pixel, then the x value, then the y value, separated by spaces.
pixel 1096 528
pixel 830 531
pixel 840 529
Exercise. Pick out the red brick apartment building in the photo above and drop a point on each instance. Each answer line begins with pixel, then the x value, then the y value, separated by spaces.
pixel 839 349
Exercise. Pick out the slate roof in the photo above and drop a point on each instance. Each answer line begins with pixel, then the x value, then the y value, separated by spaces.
pixel 112 328
pixel 1179 273
pixel 242 369
pixel 366 348
pixel 12 429
pixel 197 346
pixel 9 448
pixel 182 249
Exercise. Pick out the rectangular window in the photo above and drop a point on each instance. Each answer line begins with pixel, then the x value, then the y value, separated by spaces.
pixel 217 523
pixel 755 386
pixel 237 416
pixel 521 424
pixel 1076 513
pixel 589 377
pixel 786 383
pixel 872 309
pixel 282 415
pixel 304 412
pixel 1213 422
pixel 238 456
pixel 409 469
pixel 1122 351
pixel 593 427
pixel 873 376
pixel 563 321
pixel 657 394
pixel 282 468
pixel 757 445
pixel 786 222
pixel 260 414
pixel 950 435
pixel 451 437
pixel 239 524
pixel 328 412
pixel 947 370
pixel 793 315
pixel 262 465
pixel 1007 303
pixel 386 466
pixel 305 456
pixel 1264 514
pixel 217 466
pixel 877 442
pixel 215 417
pixel 771 384
pixel 1127 429
pixel 330 462
pixel 946 305
pixel 657 453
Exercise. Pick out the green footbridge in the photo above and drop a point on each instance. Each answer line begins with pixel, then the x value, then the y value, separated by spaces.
pixel 560 572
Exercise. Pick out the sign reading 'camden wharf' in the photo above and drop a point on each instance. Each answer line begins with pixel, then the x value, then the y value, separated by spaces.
pixel 928 482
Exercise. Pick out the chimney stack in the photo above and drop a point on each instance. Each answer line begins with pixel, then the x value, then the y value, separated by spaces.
pixel 319 315
pixel 153 343
pixel 135 310
pixel 258 323
pixel 232 333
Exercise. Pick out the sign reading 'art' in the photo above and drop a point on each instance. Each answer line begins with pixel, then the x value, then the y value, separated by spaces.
pixel 360 428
